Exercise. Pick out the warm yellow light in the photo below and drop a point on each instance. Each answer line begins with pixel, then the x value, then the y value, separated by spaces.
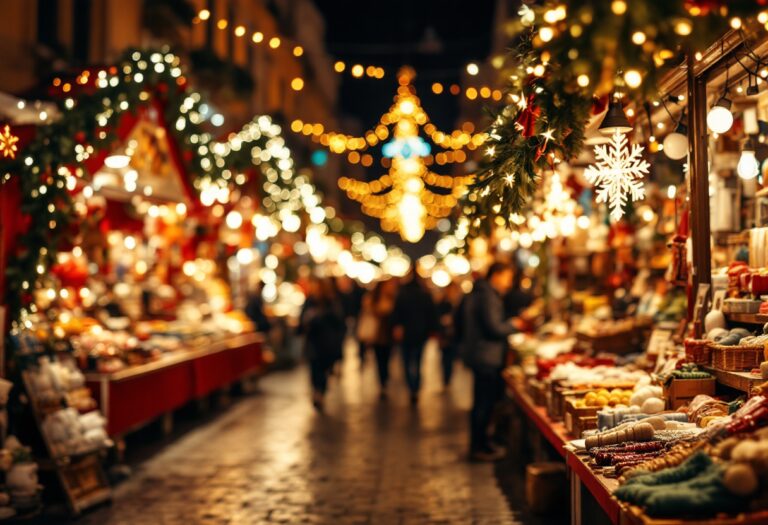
pixel 274 42
pixel 437 88
pixel 473 69
pixel 258 37
pixel 683 27
pixel 297 84
pixel 298 51
pixel 240 31
pixel 471 93
pixel 204 14
pixel 582 80
pixel 619 7
pixel 633 78
pixel 406 107
pixel 358 70
pixel 638 37
pixel 546 34
pixel 485 92
pixel 222 24
pixel 339 66
pixel 296 126
pixel 762 17
pixel 539 70
pixel 370 71
pixel 736 22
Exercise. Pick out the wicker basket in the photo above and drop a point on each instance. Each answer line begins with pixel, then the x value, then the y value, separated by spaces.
pixel 736 357
pixel 698 351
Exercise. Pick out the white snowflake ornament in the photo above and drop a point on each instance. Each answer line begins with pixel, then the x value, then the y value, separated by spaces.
pixel 618 173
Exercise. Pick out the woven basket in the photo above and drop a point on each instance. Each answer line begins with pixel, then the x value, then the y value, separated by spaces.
pixel 698 351
pixel 736 357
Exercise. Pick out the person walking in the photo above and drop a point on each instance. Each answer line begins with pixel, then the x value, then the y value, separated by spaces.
pixel 375 327
pixel 446 310
pixel 323 325
pixel 414 319
pixel 483 336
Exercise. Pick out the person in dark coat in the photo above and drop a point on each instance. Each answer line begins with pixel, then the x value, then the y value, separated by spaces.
pixel 446 310
pixel 323 325
pixel 483 333
pixel 414 319
pixel 254 309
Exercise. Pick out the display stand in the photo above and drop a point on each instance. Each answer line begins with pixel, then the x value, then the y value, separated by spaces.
pixel 137 395
pixel 81 475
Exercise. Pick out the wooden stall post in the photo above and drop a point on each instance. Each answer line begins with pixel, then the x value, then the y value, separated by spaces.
pixel 698 178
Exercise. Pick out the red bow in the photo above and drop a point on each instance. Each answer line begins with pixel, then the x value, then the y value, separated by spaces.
pixel 526 122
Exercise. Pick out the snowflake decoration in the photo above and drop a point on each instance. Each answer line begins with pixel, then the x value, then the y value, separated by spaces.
pixel 8 143
pixel 618 174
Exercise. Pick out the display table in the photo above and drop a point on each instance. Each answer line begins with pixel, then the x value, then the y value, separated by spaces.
pixel 134 396
pixel 599 487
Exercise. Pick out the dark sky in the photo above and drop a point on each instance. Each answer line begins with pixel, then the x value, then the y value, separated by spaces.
pixel 387 33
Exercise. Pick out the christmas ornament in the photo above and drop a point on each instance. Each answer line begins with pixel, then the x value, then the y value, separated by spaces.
pixel 617 173
pixel 8 142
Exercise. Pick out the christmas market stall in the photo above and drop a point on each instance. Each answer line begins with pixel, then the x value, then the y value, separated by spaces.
pixel 631 175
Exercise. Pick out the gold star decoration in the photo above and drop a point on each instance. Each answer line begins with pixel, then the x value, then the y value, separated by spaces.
pixel 8 143
pixel 491 151
pixel 510 178
pixel 548 135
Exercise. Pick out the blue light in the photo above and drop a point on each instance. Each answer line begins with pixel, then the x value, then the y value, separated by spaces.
pixel 406 148
pixel 319 157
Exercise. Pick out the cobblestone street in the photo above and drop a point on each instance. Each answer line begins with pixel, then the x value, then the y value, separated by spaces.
pixel 270 458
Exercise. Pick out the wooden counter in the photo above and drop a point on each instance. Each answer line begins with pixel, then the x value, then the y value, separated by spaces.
pixel 136 395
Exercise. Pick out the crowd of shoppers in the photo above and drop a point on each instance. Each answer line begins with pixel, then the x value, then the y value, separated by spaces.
pixel 405 314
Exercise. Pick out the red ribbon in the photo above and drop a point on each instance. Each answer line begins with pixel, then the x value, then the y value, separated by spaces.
pixel 526 122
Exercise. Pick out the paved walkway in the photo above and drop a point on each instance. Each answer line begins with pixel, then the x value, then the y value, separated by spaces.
pixel 270 458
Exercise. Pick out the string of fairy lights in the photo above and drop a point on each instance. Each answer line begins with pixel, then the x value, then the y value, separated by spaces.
pixel 354 70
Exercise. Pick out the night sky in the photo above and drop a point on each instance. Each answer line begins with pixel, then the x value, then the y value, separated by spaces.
pixel 389 33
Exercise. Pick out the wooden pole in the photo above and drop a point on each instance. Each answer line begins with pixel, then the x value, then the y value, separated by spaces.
pixel 698 179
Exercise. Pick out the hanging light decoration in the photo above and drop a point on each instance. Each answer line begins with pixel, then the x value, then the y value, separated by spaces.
pixel 404 199
pixel 615 119
pixel 720 118
pixel 748 167
pixel 676 143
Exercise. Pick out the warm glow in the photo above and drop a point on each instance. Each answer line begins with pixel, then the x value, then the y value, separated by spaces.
pixel 258 37
pixel 339 66
pixel 297 84
pixel 240 31
pixel 473 69
pixel 358 70
pixel 204 14
pixel 298 51
pixel 274 42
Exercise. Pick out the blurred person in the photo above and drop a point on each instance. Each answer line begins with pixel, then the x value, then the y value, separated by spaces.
pixel 374 327
pixel 483 333
pixel 322 323
pixel 446 311
pixel 254 309
pixel 414 319
pixel 351 296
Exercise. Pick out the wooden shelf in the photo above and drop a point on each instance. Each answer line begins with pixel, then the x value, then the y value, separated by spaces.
pixel 760 319
pixel 744 381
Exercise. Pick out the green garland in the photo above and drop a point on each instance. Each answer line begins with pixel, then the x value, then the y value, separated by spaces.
pixel 599 42
pixel 88 123
pixel 525 139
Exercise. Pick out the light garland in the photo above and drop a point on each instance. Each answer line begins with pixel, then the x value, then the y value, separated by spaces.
pixel 405 199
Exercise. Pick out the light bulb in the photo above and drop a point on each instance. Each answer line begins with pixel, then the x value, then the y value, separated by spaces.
pixel 720 118
pixel 748 167
pixel 676 145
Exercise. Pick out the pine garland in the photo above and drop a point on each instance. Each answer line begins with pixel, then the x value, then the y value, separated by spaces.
pixel 88 124
pixel 544 123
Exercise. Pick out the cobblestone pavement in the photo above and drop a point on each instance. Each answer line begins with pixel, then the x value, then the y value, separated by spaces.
pixel 270 458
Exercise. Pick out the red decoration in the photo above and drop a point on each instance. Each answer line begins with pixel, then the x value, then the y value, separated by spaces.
pixel 526 122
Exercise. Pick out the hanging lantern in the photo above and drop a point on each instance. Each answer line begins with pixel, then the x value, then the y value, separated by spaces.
pixel 615 120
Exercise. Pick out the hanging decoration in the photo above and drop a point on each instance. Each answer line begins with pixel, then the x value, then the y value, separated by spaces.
pixel 618 173
pixel 544 123
pixel 410 198
pixel 8 147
